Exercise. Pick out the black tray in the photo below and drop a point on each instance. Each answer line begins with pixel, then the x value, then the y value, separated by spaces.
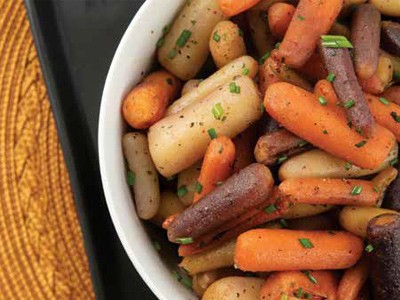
pixel 76 40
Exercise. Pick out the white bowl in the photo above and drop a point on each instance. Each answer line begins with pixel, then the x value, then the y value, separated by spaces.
pixel 134 57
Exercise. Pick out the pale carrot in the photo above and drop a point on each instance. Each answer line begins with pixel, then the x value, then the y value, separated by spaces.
pixel 234 7
pixel 352 281
pixel 312 19
pixel 264 250
pixel 386 113
pixel 324 127
pixel 296 284
pixel 279 17
pixel 329 191
pixel 217 166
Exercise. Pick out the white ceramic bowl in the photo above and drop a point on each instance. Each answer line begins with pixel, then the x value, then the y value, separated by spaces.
pixel 134 57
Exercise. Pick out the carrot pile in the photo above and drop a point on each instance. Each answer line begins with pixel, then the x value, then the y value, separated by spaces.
pixel 272 168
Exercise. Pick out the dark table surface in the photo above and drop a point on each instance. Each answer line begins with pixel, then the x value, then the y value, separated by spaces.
pixel 76 41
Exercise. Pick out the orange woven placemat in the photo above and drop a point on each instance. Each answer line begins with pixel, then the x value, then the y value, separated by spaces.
pixel 41 248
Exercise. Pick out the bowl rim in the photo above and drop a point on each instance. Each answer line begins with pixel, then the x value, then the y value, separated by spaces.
pixel 133 250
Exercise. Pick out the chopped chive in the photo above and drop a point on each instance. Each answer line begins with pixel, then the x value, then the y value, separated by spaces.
pixel 246 71
pixel 241 32
pixel 335 41
pixel 233 88
pixel 356 190
pixel 306 243
pixel 212 133
pixel 184 240
pixel 198 187
pixel 185 280
pixel 219 183
pixel 270 209
pixel 160 42
pixel 130 176
pixel 171 178
pixel 300 17
pixel 349 104
pixel 156 245
pixel 310 277
pixel 394 161
pixel 299 293
pixel 277 45
pixel 325 131
pixel 264 58
pixel 216 37
pixel 396 76
pixel 183 38
pixel 166 29
pixel 182 191
pixel 359 130
pixel 282 159
pixel 217 111
pixel 348 166
pixel 307 296
pixel 376 189
pixel 302 143
pixel 172 54
pixel 384 101
pixel 331 77
pixel 360 144
pixel 322 100
pixel 369 248
pixel 283 223
pixel 395 116
pixel 262 107
pixel 284 296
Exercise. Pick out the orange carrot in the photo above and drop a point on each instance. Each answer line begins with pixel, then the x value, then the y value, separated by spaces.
pixel 279 17
pixel 254 217
pixel 264 250
pixel 329 191
pixel 392 94
pixel 314 68
pixel 325 89
pixel 312 19
pixel 234 7
pixel 385 113
pixel 352 281
pixel 217 166
pixel 267 76
pixel 147 102
pixel 324 127
pixel 317 284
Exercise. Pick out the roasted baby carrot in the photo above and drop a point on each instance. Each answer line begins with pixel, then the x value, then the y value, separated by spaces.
pixel 323 88
pixel 352 281
pixel 324 127
pixel 329 191
pixel 148 101
pixel 303 285
pixel 279 17
pixel 217 166
pixel 234 7
pixel 377 83
pixel 264 250
pixel 385 113
pixel 311 19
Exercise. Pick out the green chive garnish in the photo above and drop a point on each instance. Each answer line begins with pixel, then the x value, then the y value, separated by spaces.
pixel 130 176
pixel 160 42
pixel 172 54
pixel 335 41
pixel 183 38
pixel 156 245
pixel 331 77
pixel 212 133
pixel 283 223
pixel 277 45
pixel 395 116
pixel 394 161
pixel 284 296
pixel 376 189
pixel 241 32
pixel 306 243
pixel 198 188
pixel 360 144
pixel 246 71
pixel 349 104
pixel 218 111
pixel 300 17
pixel 219 183
pixel 348 166
pixel 185 280
pixel 322 100
pixel 299 293
pixel 369 248
pixel 171 178
pixel 262 107
pixel 270 209
pixel 396 76
pixel 309 276
pixel 282 159
pixel 356 190
pixel 302 143
pixel 384 101
pixel 216 37
pixel 184 240
pixel 233 88
pixel 182 191
pixel 264 58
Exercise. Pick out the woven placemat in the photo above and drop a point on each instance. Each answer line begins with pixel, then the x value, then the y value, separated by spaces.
pixel 41 248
